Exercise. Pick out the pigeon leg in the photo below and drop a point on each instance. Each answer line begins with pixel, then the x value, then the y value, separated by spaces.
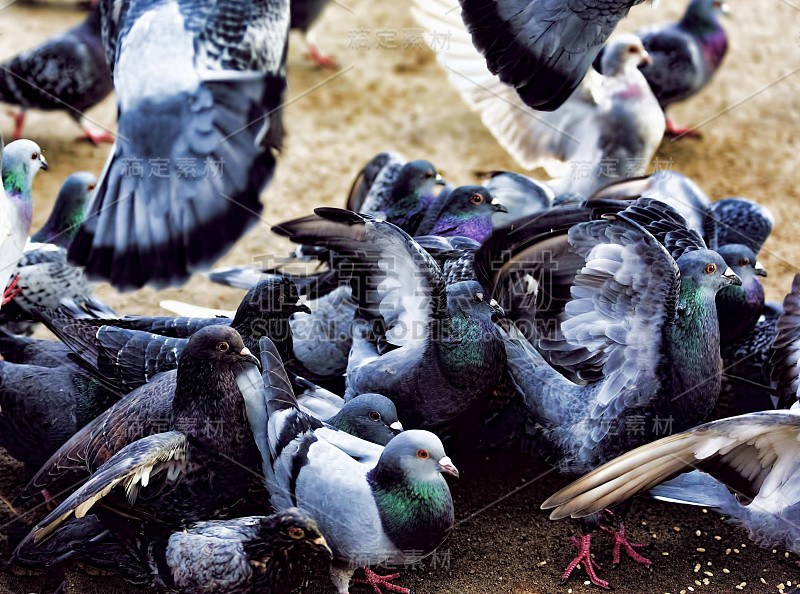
pixel 316 55
pixel 19 122
pixel 94 135
pixel 621 542
pixel 584 556
pixel 11 291
pixel 48 499
pixel 381 581
pixel 676 129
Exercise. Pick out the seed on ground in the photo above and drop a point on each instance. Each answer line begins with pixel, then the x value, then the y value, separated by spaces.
pixel 542 563
pixel 726 571
pixel 701 550
pixel 697 533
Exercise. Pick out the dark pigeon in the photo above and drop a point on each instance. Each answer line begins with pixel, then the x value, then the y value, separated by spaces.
pixel 754 455
pixel 67 72
pixel 784 362
pixel 373 504
pixel 641 304
pixel 431 348
pixel 465 212
pixel 178 468
pixel 198 88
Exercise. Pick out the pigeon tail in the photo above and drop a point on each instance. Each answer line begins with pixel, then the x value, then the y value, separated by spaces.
pixel 183 182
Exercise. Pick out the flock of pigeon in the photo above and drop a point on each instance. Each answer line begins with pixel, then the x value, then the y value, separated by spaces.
pixel 565 318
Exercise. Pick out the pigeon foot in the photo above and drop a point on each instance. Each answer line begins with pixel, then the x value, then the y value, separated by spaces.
pixel 621 542
pixel 11 291
pixel 321 59
pixel 19 122
pixel 675 129
pixel 381 581
pixel 48 499
pixel 584 556
pixel 95 135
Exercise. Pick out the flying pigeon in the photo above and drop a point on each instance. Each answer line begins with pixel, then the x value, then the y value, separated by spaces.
pixel 21 161
pixel 686 55
pixel 198 88
pixel 374 505
pixel 67 72
pixel 644 312
pixel 754 455
pixel 179 468
pixel 608 129
pixel 431 348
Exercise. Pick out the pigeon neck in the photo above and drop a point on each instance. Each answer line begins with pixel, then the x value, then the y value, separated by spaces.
pixel 61 226
pixel 406 209
pixel 274 326
pixel 18 189
pixel 416 515
pixel 739 307
pixel 698 21
pixel 449 225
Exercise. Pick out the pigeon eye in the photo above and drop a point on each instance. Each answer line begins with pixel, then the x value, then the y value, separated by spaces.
pixel 711 269
pixel 375 415
pixel 223 347
pixel 428 174
pixel 476 199
pixel 633 50
pixel 423 454
pixel 91 187
pixel 744 261
pixel 281 298
pixel 478 297
pixel 35 156
pixel 296 533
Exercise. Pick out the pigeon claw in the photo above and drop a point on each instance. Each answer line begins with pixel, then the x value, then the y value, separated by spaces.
pixel 584 556
pixel 321 59
pixel 11 291
pixel 621 542
pixel 677 130
pixel 19 122
pixel 381 581
pixel 96 137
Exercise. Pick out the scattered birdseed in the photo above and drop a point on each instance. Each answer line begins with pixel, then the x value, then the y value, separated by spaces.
pixel 697 533
pixel 697 568
pixel 701 550
pixel 705 511
pixel 726 570
pixel 665 553
pixel 697 582
pixel 676 528
pixel 736 551
pixel 542 563
pixel 727 551
pixel 708 573
pixel 763 581
pixel 717 538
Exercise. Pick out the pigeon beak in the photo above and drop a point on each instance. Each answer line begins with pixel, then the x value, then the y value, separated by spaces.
pixel 498 207
pixel 723 7
pixel 646 58
pixel 730 275
pixel 439 180
pixel 397 426
pixel 760 270
pixel 446 465
pixel 301 306
pixel 321 544
pixel 249 357
pixel 43 161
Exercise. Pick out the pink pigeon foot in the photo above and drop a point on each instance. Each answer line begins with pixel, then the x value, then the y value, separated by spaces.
pixel 321 59
pixel 676 130
pixel 381 581
pixel 48 499
pixel 94 135
pixel 621 542
pixel 19 122
pixel 584 556
pixel 11 291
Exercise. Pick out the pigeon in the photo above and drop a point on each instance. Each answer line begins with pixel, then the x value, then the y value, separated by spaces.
pixel 519 194
pixel 437 351
pixel 229 556
pixel 541 48
pixel 303 15
pixel 369 173
pixel 209 78
pixel 608 129
pixel 753 454
pixel 32 351
pixel 128 352
pixel 374 505
pixel 785 371
pixel 465 212
pixel 371 417
pixel 686 55
pixel 180 469
pixel 44 273
pixel 41 407
pixel 67 72
pixel 740 306
pixel 639 308
pixel 21 161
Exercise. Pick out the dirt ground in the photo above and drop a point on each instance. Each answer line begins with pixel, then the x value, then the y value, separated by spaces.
pixel 399 99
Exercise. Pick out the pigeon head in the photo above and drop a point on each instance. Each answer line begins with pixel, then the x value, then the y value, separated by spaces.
pixel 22 160
pixel 417 456
pixel 708 10
pixel 217 344
pixel 286 534
pixel 739 307
pixel 705 272
pixel 372 417
pixel 67 214
pixel 624 54
pixel 412 193
pixel 467 211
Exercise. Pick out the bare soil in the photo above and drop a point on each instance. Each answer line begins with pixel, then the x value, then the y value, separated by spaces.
pixel 398 98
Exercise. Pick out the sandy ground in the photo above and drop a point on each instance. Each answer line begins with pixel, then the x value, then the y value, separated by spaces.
pixel 399 99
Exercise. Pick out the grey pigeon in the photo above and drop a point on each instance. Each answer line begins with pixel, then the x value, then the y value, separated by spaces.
pixel 754 455
pixel 374 505
pixel 431 348
pixel 686 55
pixel 645 313
pixel 67 72
pixel 198 88
pixel 466 211
pixel 151 424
